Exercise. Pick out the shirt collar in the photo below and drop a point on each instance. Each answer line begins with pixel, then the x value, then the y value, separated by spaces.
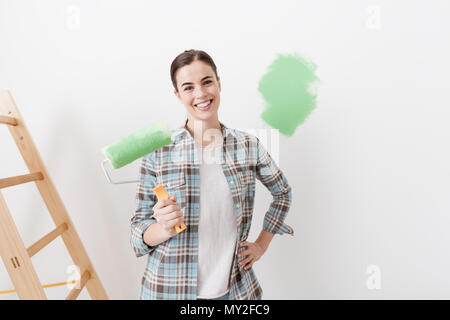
pixel 182 131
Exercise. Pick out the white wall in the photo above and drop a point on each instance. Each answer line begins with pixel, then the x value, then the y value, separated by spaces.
pixel 369 168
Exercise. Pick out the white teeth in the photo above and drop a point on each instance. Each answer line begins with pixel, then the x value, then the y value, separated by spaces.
pixel 203 105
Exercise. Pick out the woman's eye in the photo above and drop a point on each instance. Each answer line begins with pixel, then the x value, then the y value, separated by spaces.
pixel 206 82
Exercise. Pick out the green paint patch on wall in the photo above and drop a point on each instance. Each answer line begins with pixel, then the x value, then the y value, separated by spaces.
pixel 288 89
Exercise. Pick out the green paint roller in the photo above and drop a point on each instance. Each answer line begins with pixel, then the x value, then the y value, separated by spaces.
pixel 137 145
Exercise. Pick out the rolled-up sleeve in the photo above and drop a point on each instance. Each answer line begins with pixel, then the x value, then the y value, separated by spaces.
pixel 276 182
pixel 145 200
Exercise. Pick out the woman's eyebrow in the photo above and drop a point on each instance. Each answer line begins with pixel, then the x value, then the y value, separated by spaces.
pixel 200 80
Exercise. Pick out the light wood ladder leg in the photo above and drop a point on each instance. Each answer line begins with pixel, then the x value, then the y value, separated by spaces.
pixel 16 259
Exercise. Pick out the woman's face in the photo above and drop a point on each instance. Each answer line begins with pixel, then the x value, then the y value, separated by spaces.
pixel 198 85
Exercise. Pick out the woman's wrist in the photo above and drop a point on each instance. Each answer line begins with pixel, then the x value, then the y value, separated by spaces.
pixel 264 239
pixel 156 234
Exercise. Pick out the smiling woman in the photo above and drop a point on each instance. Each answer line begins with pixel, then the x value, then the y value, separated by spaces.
pixel 197 86
pixel 211 259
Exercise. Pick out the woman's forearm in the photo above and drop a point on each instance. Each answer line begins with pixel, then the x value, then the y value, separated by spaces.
pixel 264 239
pixel 155 234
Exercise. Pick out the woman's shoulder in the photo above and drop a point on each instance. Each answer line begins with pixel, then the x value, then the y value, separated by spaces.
pixel 244 136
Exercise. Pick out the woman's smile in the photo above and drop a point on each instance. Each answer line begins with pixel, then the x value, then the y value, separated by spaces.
pixel 205 106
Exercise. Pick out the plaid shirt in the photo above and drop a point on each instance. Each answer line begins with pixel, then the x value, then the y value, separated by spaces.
pixel 171 271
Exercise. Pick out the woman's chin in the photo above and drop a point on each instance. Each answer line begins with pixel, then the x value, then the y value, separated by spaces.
pixel 203 116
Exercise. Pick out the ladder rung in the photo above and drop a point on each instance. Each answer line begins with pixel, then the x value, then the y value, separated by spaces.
pixel 12 181
pixel 50 285
pixel 8 120
pixel 45 240
pixel 73 294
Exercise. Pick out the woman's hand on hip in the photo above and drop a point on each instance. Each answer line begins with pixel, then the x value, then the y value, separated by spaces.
pixel 252 254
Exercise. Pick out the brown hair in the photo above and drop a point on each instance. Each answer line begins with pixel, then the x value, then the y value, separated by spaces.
pixel 187 57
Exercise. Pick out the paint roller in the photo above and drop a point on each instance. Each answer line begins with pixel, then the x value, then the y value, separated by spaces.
pixel 137 145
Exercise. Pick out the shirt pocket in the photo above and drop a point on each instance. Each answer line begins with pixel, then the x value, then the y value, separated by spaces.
pixel 247 178
pixel 175 185
pixel 246 185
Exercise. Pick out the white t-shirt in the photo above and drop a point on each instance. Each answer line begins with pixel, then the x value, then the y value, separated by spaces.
pixel 217 231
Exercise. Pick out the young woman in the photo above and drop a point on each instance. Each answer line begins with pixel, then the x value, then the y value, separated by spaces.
pixel 209 171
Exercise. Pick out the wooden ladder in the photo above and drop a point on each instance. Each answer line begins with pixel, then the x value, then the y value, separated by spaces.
pixel 16 257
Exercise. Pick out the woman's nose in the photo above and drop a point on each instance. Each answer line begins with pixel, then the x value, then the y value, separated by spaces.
pixel 199 92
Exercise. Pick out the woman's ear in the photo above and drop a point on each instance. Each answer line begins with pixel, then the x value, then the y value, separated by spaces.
pixel 177 94
pixel 218 81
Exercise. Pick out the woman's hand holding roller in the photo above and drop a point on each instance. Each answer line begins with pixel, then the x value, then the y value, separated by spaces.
pixel 168 214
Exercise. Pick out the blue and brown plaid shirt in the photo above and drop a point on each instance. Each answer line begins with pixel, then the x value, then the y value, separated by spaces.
pixel 171 271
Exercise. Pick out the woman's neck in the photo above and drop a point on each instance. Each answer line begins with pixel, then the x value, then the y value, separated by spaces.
pixel 205 132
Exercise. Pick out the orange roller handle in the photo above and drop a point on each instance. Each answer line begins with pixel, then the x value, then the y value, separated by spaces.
pixel 161 194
